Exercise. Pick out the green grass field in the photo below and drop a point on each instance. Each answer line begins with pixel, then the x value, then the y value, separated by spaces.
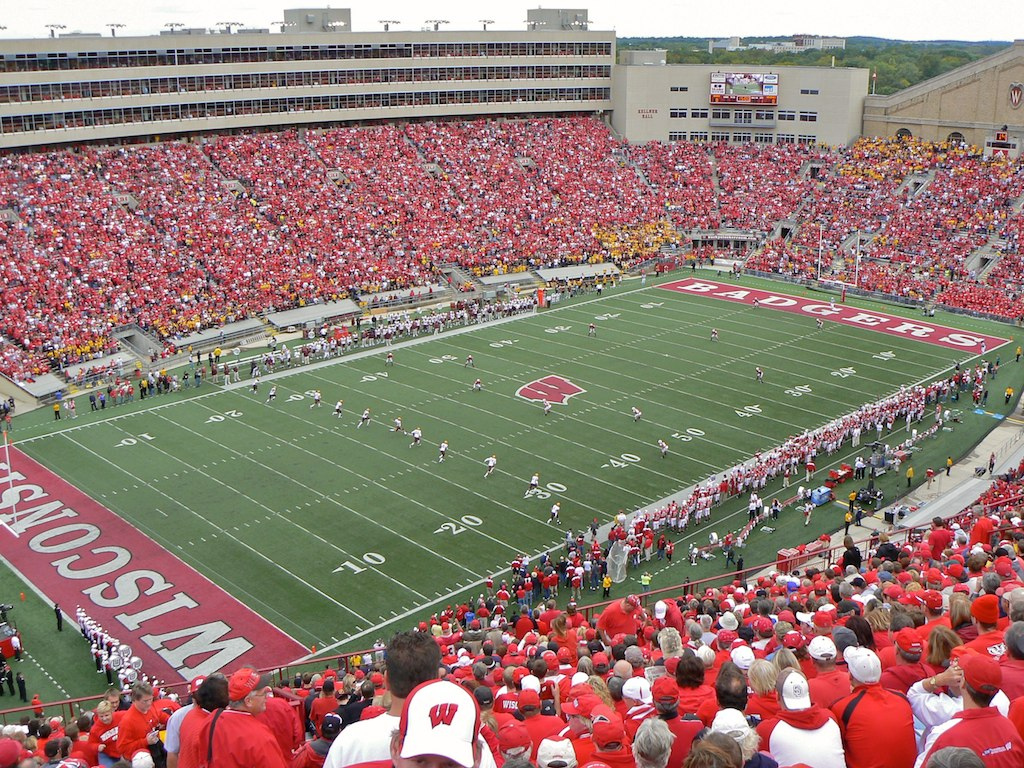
pixel 338 535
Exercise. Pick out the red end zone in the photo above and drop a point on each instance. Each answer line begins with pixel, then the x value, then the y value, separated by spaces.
pixel 79 553
pixel 941 335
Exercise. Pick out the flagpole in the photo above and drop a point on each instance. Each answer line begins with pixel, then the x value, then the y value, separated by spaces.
pixel 10 479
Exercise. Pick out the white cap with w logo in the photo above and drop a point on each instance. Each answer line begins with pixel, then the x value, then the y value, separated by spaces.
pixel 440 718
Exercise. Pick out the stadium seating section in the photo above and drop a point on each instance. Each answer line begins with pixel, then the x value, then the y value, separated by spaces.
pixel 165 235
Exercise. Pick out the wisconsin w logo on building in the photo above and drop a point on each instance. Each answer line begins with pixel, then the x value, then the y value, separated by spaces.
pixel 442 714
pixel 554 389
pixel 1016 94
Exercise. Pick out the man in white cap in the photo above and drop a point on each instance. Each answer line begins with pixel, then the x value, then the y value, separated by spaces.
pixel 667 614
pixel 636 695
pixel 801 732
pixel 876 723
pixel 439 728
pixel 830 683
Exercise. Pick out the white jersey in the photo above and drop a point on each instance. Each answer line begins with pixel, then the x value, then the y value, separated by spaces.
pixel 339 407
pixel 417 435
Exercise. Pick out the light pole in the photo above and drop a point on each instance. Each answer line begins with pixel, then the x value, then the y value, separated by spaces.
pixel 820 236
pixel 856 264
pixel 54 27
pixel 437 23
pixel 387 23
pixel 174 26
pixel 334 26
pixel 485 22
pixel 114 27
pixel 228 25
pixel 282 24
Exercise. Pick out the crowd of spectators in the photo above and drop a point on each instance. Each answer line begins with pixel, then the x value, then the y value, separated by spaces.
pixel 164 235
pixel 908 656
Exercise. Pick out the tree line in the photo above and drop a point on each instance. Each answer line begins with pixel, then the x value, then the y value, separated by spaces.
pixel 895 64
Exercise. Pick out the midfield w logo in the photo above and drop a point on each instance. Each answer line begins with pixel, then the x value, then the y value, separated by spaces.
pixel 552 388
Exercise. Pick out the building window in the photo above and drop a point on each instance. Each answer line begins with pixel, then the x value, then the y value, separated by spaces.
pixel 785 138
pixel 721 114
pixel 719 136
pixel 787 114
pixel 762 138
pixel 698 135
pixel 677 135
pixel 808 91
pixel 699 113
pixel 956 138
pixel 741 137
pixel 743 117
pixel 764 114
pixel 806 139
pixel 679 88
pixel 677 113
pixel 808 117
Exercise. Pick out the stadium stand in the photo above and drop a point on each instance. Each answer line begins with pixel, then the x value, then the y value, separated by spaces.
pixel 160 236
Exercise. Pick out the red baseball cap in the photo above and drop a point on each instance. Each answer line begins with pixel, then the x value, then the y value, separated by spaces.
pixel 793 640
pixel 824 619
pixel 932 599
pixel 665 690
pixel 582 705
pixel 529 699
pixel 981 672
pixel 608 731
pixel 908 640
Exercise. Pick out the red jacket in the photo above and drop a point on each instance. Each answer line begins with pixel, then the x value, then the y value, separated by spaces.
pixel 877 727
pixel 986 733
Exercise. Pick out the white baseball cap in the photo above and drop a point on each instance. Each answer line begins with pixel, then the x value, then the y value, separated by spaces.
pixel 864 664
pixel 660 609
pixel 742 656
pixel 556 750
pixel 637 688
pixel 822 648
pixel 794 691
pixel 729 621
pixel 440 718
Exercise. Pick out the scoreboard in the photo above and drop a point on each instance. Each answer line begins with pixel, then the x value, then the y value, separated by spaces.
pixel 744 88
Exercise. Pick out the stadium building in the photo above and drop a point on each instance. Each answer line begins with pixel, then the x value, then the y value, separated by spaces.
pixel 75 89
pixel 84 88
pixel 981 103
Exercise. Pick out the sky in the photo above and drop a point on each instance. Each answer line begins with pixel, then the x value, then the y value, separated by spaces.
pixel 899 19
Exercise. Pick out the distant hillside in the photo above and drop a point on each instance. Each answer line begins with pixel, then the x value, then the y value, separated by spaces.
pixel 898 63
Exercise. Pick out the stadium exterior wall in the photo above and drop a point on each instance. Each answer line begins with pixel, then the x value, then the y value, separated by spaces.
pixel 974 100
pixel 67 90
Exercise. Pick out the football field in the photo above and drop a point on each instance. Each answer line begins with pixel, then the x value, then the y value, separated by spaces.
pixel 330 530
